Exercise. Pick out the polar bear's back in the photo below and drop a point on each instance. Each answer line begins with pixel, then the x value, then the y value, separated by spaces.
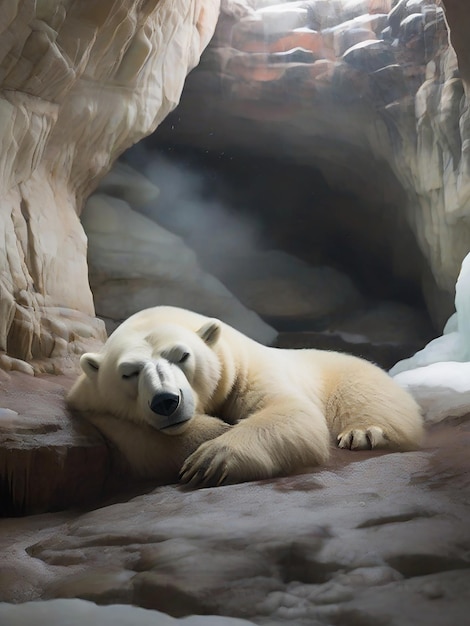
pixel 147 318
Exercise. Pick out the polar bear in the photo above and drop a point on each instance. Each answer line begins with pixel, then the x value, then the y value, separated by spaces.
pixel 173 388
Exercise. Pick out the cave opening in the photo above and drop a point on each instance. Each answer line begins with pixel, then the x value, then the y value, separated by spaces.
pixel 230 204
pixel 292 208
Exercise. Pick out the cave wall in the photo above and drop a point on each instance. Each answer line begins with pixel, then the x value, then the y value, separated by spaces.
pixel 458 18
pixel 385 118
pixel 80 83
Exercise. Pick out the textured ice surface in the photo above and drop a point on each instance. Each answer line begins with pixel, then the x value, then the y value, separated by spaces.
pixel 441 389
pixel 454 345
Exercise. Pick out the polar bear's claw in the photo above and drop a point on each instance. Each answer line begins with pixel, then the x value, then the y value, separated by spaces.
pixel 363 438
pixel 214 463
pixel 206 466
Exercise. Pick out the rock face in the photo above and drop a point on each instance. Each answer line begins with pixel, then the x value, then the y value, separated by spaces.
pixel 369 93
pixel 79 84
pixel 373 538
pixel 48 461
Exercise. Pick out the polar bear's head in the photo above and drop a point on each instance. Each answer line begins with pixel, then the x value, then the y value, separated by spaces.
pixel 159 375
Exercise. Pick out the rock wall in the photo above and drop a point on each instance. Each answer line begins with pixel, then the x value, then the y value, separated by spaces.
pixel 367 91
pixel 457 15
pixel 80 83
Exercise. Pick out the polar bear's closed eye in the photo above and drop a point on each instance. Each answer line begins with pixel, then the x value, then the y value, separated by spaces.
pixel 177 354
pixel 129 371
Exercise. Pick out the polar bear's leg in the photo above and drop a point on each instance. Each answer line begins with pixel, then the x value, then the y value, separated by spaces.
pixel 147 453
pixel 369 410
pixel 284 436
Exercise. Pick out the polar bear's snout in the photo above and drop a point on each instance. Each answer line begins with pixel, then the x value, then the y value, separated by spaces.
pixel 165 403
pixel 167 395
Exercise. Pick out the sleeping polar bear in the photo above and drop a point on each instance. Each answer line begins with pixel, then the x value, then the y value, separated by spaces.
pixel 175 390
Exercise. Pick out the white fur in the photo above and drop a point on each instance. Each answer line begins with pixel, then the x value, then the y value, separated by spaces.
pixel 286 405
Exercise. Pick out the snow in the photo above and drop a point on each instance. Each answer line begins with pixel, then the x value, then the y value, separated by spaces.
pixel 441 389
pixel 74 612
pixel 454 345
pixel 438 376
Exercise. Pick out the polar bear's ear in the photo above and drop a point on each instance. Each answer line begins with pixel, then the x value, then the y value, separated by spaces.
pixel 90 363
pixel 210 332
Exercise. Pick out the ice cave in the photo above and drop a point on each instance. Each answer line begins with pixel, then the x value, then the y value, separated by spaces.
pixel 298 169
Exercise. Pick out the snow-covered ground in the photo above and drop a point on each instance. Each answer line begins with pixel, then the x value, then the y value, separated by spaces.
pixel 438 376
pixel 73 612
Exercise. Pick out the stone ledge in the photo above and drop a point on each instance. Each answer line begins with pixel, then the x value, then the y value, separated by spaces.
pixel 48 459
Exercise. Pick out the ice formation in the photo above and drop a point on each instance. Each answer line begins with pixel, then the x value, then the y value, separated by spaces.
pixel 438 376
pixel 454 345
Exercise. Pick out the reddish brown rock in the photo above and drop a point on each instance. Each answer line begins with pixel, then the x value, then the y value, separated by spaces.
pixel 48 460
pixel 304 38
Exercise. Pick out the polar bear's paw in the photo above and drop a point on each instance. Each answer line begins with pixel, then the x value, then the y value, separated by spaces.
pixel 363 438
pixel 216 463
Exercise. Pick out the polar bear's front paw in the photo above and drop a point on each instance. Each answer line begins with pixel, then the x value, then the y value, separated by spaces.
pixel 211 464
pixel 215 463
pixel 363 438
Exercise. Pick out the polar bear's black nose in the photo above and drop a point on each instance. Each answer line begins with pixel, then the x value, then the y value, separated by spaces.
pixel 165 403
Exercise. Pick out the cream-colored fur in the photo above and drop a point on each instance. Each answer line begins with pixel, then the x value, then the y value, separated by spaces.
pixel 286 406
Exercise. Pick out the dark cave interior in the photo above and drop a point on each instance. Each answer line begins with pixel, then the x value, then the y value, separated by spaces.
pixel 289 207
